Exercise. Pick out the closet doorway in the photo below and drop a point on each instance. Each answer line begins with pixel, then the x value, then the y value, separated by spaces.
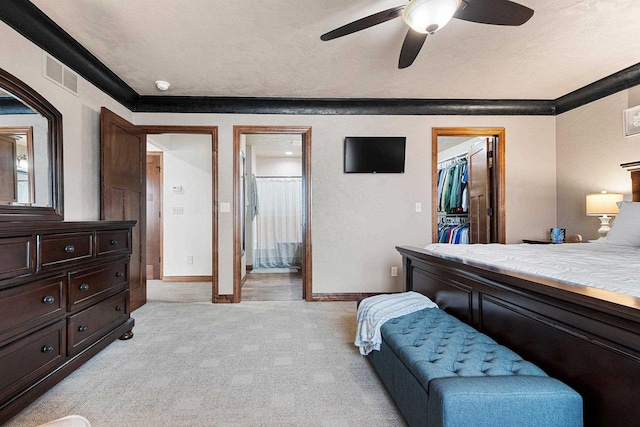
pixel 272 237
pixel 475 213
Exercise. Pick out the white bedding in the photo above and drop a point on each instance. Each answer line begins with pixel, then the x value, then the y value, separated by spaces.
pixel 610 267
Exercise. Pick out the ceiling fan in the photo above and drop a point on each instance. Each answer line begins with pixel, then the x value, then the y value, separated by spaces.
pixel 425 17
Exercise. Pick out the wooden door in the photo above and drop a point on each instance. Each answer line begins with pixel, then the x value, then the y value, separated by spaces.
pixel 122 185
pixel 154 215
pixel 479 194
pixel 8 170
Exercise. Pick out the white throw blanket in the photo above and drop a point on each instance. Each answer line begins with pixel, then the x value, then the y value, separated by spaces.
pixel 374 311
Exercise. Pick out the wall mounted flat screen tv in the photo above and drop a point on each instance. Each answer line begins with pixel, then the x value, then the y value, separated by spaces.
pixel 374 154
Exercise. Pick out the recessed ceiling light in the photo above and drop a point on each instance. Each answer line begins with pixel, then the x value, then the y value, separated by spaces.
pixel 289 153
pixel 162 85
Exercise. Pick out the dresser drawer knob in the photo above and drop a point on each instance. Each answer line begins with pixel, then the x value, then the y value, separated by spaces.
pixel 119 274
pixel 83 328
pixel 119 308
pixel 69 249
pixel 84 287
pixel 113 242
pixel 47 349
pixel 48 299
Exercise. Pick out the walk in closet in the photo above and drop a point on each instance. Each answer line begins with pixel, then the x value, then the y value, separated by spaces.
pixel 468 187
pixel 453 200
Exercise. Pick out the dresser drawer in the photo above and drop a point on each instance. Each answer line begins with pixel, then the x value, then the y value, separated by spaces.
pixel 112 241
pixel 89 325
pixel 15 256
pixel 57 249
pixel 31 357
pixel 89 285
pixel 27 306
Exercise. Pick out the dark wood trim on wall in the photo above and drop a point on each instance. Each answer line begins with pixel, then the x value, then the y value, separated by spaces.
pixel 187 279
pixel 625 79
pixel 223 299
pixel 347 106
pixel 24 17
pixel 353 296
pixel 634 168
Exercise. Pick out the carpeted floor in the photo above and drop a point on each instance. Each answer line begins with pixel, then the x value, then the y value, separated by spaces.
pixel 247 364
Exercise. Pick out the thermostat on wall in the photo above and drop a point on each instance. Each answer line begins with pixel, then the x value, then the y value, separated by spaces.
pixel 177 189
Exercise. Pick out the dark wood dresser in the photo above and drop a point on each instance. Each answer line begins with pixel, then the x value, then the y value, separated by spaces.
pixel 64 296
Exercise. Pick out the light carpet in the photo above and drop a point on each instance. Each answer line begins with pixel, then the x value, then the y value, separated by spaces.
pixel 247 364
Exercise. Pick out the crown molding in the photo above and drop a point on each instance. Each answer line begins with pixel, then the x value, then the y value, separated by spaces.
pixel 625 79
pixel 337 106
pixel 24 17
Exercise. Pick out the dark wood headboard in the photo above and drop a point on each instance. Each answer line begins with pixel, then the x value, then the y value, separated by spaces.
pixel 634 168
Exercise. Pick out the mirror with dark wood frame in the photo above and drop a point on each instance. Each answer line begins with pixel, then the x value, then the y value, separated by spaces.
pixel 30 154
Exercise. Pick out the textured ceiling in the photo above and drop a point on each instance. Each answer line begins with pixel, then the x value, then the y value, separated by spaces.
pixel 275 145
pixel 272 48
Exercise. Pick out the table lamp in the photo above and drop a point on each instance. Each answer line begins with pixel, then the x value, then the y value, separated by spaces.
pixel 603 205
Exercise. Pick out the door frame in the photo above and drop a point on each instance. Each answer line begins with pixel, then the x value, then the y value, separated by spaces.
pixel 498 181
pixel 305 132
pixel 213 131
pixel 159 154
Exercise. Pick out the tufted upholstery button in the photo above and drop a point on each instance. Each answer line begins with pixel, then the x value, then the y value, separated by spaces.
pixel 434 344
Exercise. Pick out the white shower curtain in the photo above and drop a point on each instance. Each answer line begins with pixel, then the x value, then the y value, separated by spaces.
pixel 278 240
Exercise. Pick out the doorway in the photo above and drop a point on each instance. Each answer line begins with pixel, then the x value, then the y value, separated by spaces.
pixel 123 148
pixel 272 237
pixel 154 214
pixel 181 223
pixel 483 149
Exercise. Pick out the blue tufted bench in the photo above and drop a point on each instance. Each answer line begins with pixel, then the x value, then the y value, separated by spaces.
pixel 443 373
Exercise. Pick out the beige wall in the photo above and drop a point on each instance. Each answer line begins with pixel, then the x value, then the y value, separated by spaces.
pixel 81 122
pixel 590 148
pixel 357 220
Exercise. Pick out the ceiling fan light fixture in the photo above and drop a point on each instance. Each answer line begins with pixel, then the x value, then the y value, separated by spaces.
pixel 429 16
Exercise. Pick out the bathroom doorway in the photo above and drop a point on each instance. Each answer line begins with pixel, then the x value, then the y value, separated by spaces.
pixel 272 237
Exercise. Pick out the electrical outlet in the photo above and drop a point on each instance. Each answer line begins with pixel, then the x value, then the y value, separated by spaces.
pixel 189 259
pixel 394 271
pixel 418 207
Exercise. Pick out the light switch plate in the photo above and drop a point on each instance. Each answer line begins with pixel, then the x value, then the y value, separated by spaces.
pixel 178 210
pixel 418 207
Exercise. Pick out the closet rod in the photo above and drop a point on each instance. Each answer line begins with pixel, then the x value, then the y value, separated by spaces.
pixel 454 158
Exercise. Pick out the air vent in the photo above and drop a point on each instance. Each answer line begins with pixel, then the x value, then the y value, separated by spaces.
pixel 55 71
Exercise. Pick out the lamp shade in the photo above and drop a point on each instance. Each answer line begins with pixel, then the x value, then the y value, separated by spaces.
pixel 428 16
pixel 599 204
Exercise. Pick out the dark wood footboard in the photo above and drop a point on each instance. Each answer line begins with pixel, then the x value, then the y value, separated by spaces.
pixel 588 338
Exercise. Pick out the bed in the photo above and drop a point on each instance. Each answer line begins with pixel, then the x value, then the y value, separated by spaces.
pixel 573 325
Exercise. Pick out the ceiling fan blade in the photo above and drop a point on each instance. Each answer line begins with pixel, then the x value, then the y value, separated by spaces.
pixel 411 47
pixel 495 12
pixel 363 23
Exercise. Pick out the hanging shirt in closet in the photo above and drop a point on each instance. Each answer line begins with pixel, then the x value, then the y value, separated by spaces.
pixel 452 183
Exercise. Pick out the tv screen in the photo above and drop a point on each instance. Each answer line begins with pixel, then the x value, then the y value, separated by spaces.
pixel 374 154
